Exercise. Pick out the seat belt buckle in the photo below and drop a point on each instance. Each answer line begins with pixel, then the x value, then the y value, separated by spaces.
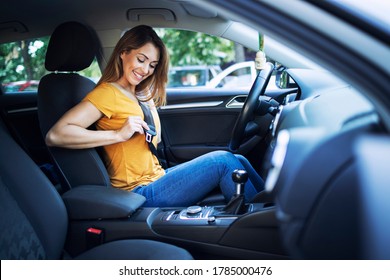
pixel 149 134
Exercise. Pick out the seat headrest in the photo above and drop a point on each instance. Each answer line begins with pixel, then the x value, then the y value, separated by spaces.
pixel 72 47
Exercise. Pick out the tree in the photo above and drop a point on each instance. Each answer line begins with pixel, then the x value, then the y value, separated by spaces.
pixel 9 59
pixel 194 48
pixel 23 60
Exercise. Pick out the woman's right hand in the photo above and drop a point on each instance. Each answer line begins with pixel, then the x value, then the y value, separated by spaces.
pixel 133 124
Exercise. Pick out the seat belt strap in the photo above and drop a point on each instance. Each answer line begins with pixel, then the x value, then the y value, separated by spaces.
pixel 149 134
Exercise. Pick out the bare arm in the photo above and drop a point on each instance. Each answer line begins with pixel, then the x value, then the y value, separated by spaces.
pixel 71 129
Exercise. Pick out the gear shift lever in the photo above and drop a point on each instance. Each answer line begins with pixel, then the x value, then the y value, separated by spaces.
pixel 240 177
pixel 236 204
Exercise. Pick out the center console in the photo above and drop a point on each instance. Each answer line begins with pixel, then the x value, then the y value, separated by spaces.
pixel 237 230
pixel 211 224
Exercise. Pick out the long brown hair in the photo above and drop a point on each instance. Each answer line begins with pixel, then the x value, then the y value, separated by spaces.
pixel 152 87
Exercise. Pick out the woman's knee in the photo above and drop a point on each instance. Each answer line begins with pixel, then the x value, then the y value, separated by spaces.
pixel 222 154
pixel 226 159
pixel 241 158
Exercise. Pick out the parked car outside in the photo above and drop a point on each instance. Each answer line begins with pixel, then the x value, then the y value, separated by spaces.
pixel 192 75
pixel 20 86
pixel 241 74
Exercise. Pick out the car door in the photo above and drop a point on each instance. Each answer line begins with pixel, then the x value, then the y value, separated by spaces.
pixel 19 112
pixel 197 121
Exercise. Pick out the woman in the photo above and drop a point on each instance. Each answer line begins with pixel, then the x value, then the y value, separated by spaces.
pixel 137 72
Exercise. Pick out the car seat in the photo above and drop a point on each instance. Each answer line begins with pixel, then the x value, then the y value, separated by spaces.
pixel 72 47
pixel 34 219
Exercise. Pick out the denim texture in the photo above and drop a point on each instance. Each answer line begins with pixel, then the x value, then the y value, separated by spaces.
pixel 189 182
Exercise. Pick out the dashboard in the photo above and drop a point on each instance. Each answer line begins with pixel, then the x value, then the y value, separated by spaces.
pixel 313 174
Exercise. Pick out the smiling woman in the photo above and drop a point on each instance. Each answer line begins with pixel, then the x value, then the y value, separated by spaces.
pixel 328 193
pixel 135 73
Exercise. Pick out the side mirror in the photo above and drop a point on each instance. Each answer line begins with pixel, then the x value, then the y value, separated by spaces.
pixel 283 79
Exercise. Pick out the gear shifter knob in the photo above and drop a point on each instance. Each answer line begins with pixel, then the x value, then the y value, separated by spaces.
pixel 240 177
pixel 236 204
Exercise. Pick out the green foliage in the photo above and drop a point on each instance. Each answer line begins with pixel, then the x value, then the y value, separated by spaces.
pixel 23 60
pixel 9 59
pixel 93 71
pixel 38 60
pixel 194 48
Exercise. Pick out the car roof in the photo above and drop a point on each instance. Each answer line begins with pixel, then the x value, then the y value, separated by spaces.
pixel 34 19
pixel 31 19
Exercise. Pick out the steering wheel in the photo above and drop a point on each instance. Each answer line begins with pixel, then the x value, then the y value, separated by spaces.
pixel 251 103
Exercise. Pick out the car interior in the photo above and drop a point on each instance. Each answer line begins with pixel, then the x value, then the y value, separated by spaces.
pixel 318 142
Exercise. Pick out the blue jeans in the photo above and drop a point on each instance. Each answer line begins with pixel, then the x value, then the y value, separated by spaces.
pixel 188 183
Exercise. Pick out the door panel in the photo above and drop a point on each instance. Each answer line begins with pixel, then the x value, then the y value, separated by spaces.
pixel 197 121
pixel 19 111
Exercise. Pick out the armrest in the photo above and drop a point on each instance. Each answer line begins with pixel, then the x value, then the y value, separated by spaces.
pixel 97 202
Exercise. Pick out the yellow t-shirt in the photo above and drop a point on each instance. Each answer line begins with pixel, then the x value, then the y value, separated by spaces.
pixel 129 163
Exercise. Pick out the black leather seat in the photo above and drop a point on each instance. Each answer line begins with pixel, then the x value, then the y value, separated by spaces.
pixel 34 220
pixel 72 47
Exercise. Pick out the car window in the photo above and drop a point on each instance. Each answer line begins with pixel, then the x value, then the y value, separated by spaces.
pixel 200 60
pixel 197 58
pixel 22 65
pixel 192 75
pixel 210 62
pixel 237 76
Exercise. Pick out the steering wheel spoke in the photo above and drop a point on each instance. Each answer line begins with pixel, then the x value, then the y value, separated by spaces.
pixel 251 129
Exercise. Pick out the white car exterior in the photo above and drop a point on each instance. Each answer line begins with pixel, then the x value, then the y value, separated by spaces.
pixel 239 75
